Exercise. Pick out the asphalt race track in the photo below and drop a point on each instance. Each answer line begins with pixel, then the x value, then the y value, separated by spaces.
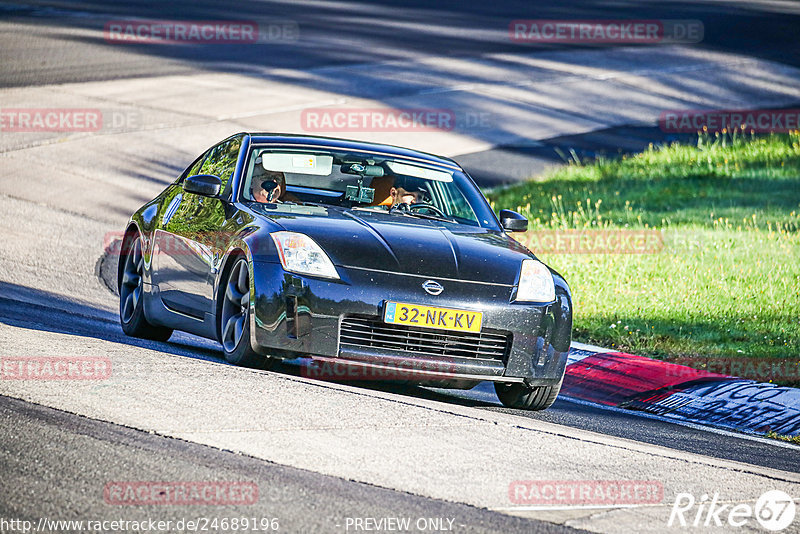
pixel 304 501
pixel 327 456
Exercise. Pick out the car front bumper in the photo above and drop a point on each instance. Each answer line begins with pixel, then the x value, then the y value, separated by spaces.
pixel 295 315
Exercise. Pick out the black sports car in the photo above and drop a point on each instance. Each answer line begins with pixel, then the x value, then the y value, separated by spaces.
pixel 350 253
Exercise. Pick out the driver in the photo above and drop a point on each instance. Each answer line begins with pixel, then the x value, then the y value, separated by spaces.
pixel 406 192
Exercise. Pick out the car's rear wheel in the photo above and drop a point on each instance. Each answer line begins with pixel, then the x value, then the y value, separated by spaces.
pixel 527 397
pixel 131 298
pixel 234 325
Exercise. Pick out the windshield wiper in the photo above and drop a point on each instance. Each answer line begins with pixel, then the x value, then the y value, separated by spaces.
pixel 410 213
pixel 431 217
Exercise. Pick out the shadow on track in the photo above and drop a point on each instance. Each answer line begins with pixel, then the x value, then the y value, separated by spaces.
pixel 21 307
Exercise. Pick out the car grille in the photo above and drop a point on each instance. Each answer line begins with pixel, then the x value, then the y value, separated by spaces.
pixel 361 332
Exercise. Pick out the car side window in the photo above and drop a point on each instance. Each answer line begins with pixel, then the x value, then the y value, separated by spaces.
pixel 221 160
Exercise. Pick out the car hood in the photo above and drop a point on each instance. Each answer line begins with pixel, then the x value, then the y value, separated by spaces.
pixel 405 244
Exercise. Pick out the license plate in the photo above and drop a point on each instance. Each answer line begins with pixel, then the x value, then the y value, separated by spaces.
pixel 432 317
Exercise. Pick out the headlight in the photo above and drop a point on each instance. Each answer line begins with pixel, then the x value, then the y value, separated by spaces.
pixel 535 283
pixel 300 254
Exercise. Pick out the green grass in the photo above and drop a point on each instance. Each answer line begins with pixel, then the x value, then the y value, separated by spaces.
pixel 727 282
pixel 779 437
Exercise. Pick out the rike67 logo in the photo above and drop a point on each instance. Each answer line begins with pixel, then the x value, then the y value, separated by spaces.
pixel 774 511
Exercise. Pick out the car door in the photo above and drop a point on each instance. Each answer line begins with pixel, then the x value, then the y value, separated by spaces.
pixel 191 235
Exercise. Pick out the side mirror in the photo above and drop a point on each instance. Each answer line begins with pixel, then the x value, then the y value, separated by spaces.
pixel 513 221
pixel 206 185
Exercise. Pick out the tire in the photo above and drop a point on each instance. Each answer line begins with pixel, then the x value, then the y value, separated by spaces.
pixel 234 319
pixel 525 397
pixel 131 296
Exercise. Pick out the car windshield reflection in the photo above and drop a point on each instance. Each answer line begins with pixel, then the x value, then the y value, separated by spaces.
pixel 279 178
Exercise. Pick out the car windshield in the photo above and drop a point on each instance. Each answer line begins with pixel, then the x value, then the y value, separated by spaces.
pixel 359 181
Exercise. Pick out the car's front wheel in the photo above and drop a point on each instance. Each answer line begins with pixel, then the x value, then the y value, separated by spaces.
pixel 234 322
pixel 527 397
pixel 131 298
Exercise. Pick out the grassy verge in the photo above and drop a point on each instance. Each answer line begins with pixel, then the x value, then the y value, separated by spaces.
pixel 779 437
pixel 726 283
